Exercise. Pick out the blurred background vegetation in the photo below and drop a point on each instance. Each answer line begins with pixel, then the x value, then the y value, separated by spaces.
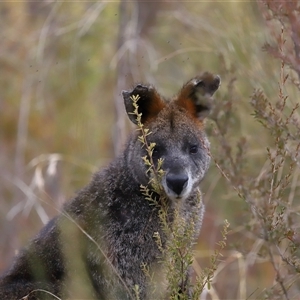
pixel 63 67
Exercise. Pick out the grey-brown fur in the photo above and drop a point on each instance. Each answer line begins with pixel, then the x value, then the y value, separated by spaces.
pixel 95 248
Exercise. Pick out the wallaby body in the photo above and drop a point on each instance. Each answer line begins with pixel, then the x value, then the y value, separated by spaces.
pixel 96 247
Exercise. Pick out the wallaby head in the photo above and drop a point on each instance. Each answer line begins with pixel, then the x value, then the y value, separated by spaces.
pixel 176 127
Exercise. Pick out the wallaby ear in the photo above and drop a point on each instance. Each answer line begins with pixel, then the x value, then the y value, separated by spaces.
pixel 196 94
pixel 149 103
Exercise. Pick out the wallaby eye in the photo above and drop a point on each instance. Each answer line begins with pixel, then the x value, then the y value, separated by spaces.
pixel 156 151
pixel 193 149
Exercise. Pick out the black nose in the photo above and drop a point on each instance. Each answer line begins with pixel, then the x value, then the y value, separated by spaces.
pixel 177 182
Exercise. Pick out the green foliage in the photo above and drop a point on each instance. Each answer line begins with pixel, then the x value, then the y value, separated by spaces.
pixel 206 277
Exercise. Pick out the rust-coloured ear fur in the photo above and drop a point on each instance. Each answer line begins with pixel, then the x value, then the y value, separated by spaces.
pixel 196 95
pixel 150 103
